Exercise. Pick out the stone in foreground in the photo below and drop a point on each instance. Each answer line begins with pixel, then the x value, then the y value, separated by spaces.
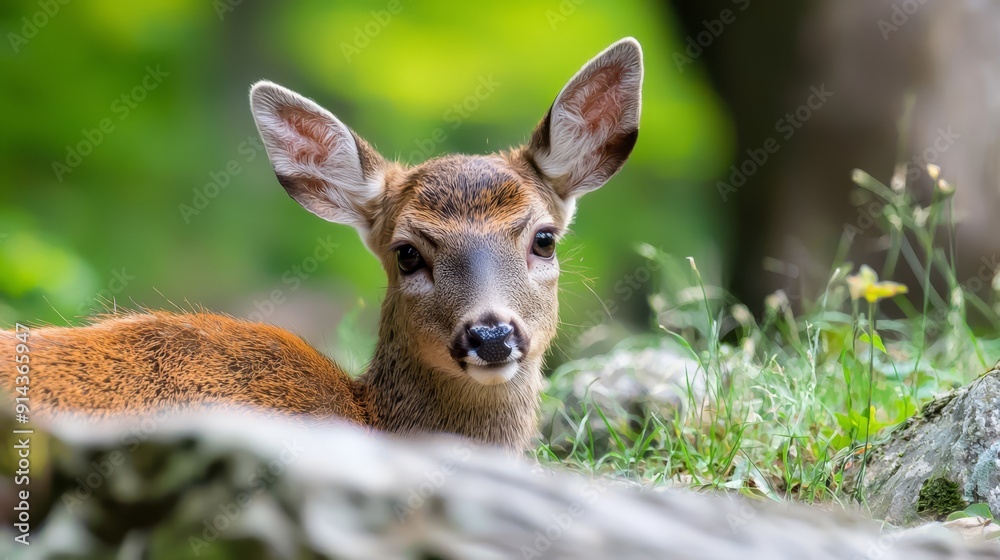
pixel 234 486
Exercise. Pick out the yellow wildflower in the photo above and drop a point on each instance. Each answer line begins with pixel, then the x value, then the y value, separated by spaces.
pixel 865 284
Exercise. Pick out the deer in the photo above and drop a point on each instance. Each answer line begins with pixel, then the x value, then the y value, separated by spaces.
pixel 468 244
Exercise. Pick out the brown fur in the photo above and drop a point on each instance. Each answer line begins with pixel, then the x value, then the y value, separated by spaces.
pixel 136 362
pixel 473 219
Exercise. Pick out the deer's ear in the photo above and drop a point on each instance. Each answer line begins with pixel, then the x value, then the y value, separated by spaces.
pixel 593 124
pixel 320 162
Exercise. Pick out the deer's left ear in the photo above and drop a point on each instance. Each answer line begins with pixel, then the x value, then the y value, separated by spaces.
pixel 593 124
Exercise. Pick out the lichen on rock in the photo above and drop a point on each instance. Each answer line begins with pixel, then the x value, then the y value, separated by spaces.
pixel 956 439
pixel 985 477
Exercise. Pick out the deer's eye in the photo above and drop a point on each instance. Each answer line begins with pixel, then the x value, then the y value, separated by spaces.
pixel 544 245
pixel 409 259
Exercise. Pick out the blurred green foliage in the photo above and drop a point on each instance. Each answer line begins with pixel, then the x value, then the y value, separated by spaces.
pixel 132 173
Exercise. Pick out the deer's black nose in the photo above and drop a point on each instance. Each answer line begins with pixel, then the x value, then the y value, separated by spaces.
pixel 490 342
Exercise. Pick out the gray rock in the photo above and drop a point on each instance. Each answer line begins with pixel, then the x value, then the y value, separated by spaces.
pixel 626 384
pixel 948 454
pixel 236 486
pixel 658 377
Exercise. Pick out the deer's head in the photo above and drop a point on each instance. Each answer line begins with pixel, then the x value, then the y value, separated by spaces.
pixel 468 242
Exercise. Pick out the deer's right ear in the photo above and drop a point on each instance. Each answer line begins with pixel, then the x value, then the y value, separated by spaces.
pixel 320 162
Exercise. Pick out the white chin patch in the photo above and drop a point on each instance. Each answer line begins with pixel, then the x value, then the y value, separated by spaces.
pixel 493 375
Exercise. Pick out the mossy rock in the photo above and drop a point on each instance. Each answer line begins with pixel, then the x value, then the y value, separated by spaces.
pixel 940 460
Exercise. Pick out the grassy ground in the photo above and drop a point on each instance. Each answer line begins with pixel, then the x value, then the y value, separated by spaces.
pixel 792 400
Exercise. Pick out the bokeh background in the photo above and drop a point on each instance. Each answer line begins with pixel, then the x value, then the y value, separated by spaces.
pixel 132 175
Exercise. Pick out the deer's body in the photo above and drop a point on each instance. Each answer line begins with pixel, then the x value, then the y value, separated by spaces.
pixel 139 361
pixel 467 243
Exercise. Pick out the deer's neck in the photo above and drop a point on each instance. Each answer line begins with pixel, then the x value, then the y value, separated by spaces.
pixel 406 396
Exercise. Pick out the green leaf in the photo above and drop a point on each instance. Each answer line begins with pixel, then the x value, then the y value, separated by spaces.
pixel 981 510
pixel 878 341
pixel 974 510
pixel 846 367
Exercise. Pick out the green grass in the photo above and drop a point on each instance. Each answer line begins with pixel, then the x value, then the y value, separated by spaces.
pixel 792 400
